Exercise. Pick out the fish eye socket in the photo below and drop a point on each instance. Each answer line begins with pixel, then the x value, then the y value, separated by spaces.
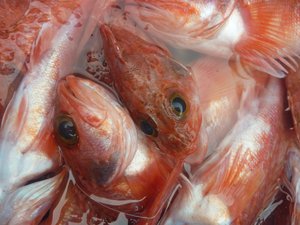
pixel 147 128
pixel 178 105
pixel 66 130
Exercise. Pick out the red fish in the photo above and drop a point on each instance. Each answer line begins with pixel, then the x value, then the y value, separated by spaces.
pixel 159 92
pixel 237 182
pixel 28 150
pixel 260 33
pixel 113 164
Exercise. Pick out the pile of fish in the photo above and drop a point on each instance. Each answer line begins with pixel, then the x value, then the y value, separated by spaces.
pixel 150 112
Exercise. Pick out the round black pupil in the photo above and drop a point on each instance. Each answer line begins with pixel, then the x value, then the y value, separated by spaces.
pixel 147 128
pixel 67 130
pixel 179 105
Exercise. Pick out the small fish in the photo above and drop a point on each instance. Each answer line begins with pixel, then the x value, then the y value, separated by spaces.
pixel 159 92
pixel 262 34
pixel 245 171
pixel 112 162
pixel 28 150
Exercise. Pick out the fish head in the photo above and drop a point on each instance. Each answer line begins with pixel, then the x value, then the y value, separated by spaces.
pixel 159 92
pixel 95 133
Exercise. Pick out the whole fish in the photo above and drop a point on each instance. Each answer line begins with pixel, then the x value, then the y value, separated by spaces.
pixel 239 180
pixel 262 34
pixel 114 165
pixel 28 151
pixel 159 92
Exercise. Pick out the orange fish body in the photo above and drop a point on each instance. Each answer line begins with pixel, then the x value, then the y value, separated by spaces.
pixel 158 91
pixel 258 33
pixel 28 151
pixel 111 163
pixel 244 172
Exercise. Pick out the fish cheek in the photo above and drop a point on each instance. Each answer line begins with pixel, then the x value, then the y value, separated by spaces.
pixel 104 170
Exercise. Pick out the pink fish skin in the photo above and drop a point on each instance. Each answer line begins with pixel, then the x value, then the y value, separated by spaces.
pixel 257 33
pixel 245 171
pixel 221 92
pixel 159 92
pixel 28 150
pixel 113 164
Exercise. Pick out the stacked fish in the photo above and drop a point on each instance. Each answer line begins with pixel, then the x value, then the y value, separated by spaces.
pixel 150 112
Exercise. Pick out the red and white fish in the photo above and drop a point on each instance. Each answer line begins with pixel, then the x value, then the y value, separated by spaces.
pixel 114 165
pixel 238 181
pixel 261 33
pixel 28 150
pixel 159 92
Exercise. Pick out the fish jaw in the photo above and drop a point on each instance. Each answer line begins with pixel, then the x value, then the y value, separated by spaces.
pixel 246 168
pixel 107 137
pixel 148 90
pixel 28 204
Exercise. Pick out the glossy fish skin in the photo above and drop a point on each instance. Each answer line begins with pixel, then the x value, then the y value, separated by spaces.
pixel 147 79
pixel 137 181
pixel 27 147
pixel 19 29
pixel 221 92
pixel 244 172
pixel 258 33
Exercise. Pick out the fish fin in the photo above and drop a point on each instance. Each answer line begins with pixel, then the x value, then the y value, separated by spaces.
pixel 30 203
pixel 269 42
pixel 111 47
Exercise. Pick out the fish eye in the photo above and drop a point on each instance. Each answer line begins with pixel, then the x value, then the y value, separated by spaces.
pixel 147 128
pixel 66 130
pixel 178 105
